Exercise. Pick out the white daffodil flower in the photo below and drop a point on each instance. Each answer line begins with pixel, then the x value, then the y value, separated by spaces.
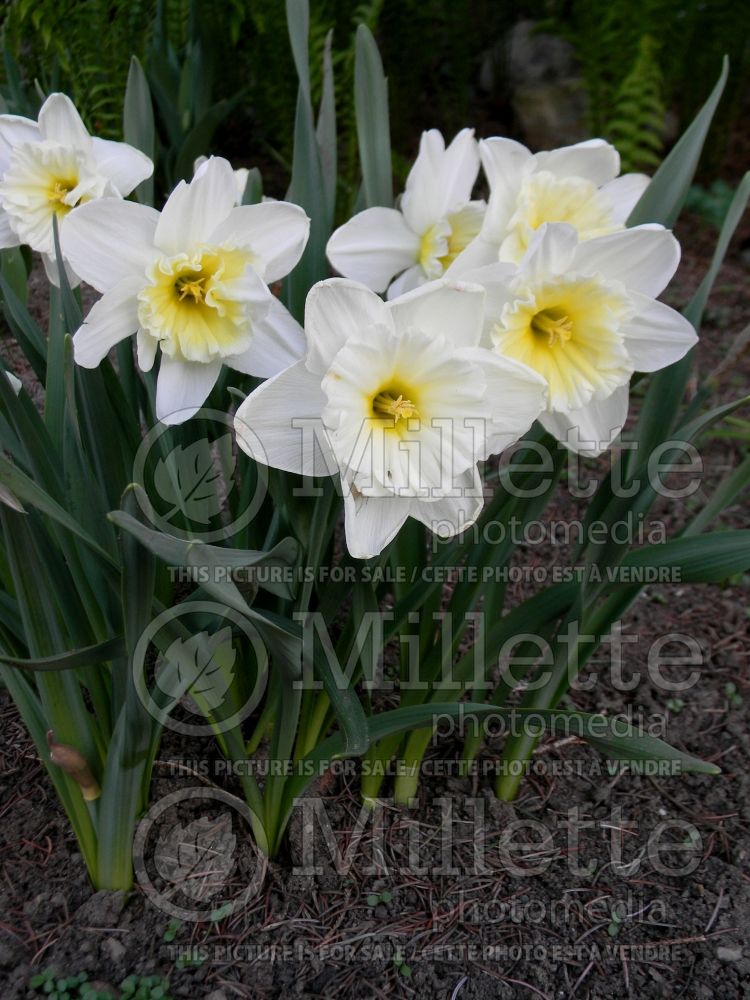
pixel 436 220
pixel 241 175
pixel 49 167
pixel 575 184
pixel 192 281
pixel 15 382
pixel 399 401
pixel 583 315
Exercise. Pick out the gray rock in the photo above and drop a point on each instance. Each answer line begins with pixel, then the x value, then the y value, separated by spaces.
pixel 546 90
pixel 725 954
pixel 537 57
pixel 7 955
pixel 114 949
pixel 102 909
pixel 551 114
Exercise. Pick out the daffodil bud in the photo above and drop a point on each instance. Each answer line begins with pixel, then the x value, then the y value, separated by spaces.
pixel 75 766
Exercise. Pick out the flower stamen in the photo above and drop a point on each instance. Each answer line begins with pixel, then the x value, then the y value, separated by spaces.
pixel 61 190
pixel 557 329
pixel 191 286
pixel 387 404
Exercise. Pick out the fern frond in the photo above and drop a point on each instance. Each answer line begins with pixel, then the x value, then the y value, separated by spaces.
pixel 637 124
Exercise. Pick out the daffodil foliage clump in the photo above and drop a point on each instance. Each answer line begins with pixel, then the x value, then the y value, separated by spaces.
pixel 283 425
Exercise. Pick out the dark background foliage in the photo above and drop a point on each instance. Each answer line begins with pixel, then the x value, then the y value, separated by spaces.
pixel 645 66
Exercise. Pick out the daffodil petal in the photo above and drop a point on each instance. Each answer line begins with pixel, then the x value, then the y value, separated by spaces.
pixel 8 236
pixel 551 251
pixel 625 193
pixel 644 258
pixel 504 162
pixel 595 160
pixel 124 165
pixel 412 278
pixel 279 424
pixel 193 211
pixel 450 309
pixel 278 341
pixel 448 516
pixel 108 239
pixel 479 253
pixel 459 169
pixel 496 279
pixel 53 271
pixel 335 309
pixel 592 429
pixel 110 320
pixel 657 335
pixel 146 347
pixel 371 523
pixel 373 247
pixel 515 397
pixel 276 232
pixel 182 387
pixel 441 179
pixel 59 120
pixel 14 130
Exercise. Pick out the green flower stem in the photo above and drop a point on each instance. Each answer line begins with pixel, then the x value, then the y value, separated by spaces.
pixel 407 551
pixel 233 747
pixel 321 527
pixel 292 709
pixel 569 659
pixel 282 749
pixel 467 597
pixel 262 726
pixel 406 783
pixel 313 726
pixel 375 764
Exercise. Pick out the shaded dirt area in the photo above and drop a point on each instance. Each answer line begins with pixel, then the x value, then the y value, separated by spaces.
pixel 629 886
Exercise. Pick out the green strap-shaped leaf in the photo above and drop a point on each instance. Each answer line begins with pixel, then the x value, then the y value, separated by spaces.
pixel 722 496
pixel 184 552
pixel 100 652
pixel 699 558
pixel 694 311
pixel 138 123
pixel 373 127
pixel 28 492
pixel 617 740
pixel 252 195
pixel 24 329
pixel 298 25
pixel 199 137
pixel 126 777
pixel 326 131
pixel 663 199
pixel 307 189
pixel 282 637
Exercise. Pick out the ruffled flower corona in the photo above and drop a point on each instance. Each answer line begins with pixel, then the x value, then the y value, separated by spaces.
pixel 583 314
pixel 191 281
pixel 398 400
pixel 49 167
pixel 436 220
pixel 576 184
